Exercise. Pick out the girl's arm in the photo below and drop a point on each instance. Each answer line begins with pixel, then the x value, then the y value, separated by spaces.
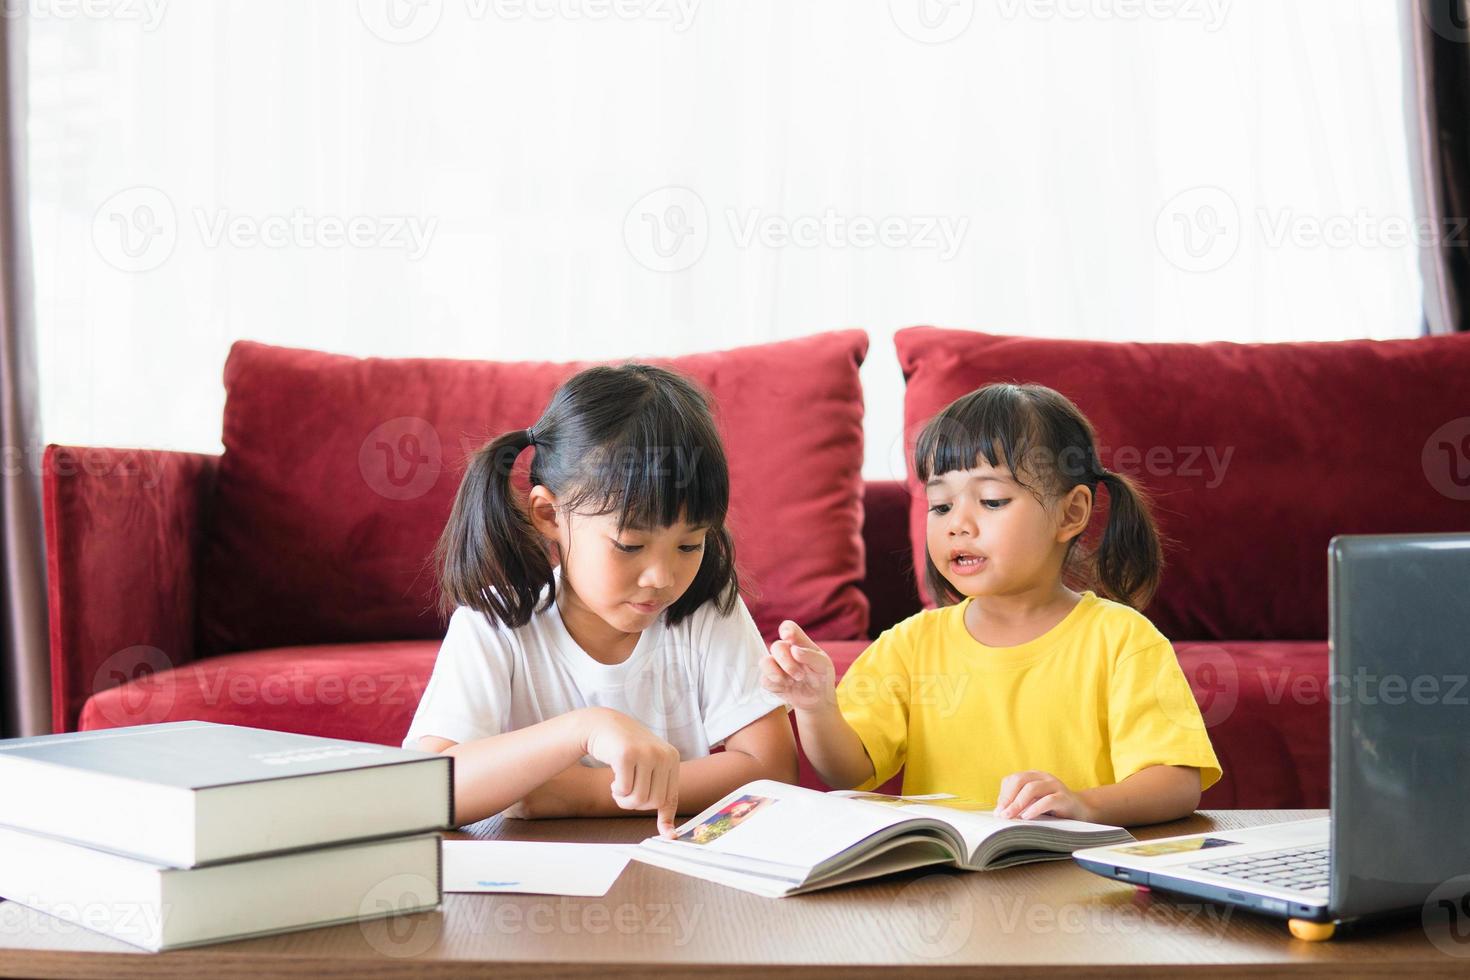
pixel 1153 794
pixel 800 672
pixel 764 749
pixel 492 773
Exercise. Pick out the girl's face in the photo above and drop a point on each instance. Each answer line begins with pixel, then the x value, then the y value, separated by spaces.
pixel 988 535
pixel 626 579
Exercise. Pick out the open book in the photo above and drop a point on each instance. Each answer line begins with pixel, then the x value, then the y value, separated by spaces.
pixel 776 839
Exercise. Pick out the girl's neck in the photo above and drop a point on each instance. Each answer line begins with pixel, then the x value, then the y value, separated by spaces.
pixel 603 643
pixel 1010 620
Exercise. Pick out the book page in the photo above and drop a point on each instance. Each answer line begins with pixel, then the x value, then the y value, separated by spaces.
pixel 973 820
pixel 768 821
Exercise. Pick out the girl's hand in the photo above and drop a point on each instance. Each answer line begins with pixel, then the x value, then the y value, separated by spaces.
pixel 645 767
pixel 797 671
pixel 1024 795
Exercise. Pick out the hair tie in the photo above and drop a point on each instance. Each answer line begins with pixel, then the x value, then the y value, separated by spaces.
pixel 530 435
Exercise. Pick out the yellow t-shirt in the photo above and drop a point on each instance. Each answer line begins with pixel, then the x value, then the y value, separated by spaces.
pixel 1093 700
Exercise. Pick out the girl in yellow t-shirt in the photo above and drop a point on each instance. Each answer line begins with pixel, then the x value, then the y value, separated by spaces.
pixel 1019 690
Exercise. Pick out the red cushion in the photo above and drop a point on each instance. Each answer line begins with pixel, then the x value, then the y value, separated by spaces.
pixel 338 475
pixel 366 692
pixel 1309 440
pixel 1266 705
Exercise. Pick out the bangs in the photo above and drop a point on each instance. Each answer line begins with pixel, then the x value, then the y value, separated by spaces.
pixel 664 468
pixel 997 424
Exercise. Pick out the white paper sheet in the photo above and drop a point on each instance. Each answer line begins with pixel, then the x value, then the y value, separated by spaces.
pixel 532 868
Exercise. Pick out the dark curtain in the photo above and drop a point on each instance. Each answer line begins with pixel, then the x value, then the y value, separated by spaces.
pixel 24 678
pixel 1437 66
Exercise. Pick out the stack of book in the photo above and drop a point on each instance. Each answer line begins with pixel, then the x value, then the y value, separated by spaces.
pixel 190 832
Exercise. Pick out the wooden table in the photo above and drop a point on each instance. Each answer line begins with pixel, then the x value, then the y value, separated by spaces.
pixel 1040 919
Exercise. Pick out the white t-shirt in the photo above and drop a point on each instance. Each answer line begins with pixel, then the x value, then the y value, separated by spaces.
pixel 692 685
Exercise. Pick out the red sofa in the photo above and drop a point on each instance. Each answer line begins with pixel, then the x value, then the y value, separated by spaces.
pixel 267 587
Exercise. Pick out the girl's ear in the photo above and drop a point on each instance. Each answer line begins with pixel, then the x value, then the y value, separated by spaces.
pixel 1074 511
pixel 545 518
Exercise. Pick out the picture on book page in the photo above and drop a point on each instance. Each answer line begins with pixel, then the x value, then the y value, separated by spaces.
pixel 725 819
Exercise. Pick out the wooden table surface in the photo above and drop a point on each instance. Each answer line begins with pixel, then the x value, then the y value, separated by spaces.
pixel 1040 919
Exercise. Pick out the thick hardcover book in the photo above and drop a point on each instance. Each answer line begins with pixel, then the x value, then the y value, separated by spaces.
pixel 160 908
pixel 189 793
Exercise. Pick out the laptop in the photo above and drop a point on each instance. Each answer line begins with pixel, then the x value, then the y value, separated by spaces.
pixel 1399 656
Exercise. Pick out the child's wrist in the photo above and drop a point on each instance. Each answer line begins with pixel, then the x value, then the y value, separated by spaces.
pixel 1091 812
pixel 824 709
pixel 584 722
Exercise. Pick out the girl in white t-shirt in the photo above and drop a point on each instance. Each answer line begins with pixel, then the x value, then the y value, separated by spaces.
pixel 598 647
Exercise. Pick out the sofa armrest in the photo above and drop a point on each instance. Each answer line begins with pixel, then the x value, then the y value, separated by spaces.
pixel 892 592
pixel 123 531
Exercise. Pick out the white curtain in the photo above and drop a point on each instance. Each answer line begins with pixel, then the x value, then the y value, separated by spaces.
pixel 602 178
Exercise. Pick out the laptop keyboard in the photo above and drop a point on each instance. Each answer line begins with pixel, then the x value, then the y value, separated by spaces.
pixel 1297 868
